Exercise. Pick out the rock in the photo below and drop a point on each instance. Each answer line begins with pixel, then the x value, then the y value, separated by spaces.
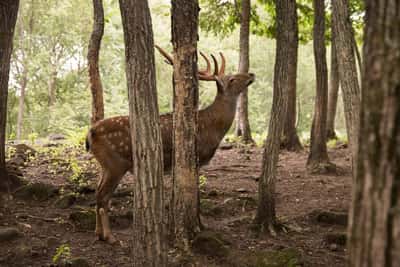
pixel 225 146
pixel 65 201
pixel 24 151
pixel 213 193
pixel 56 137
pixel 328 217
pixel 280 258
pixel 9 233
pixel 84 219
pixel 211 244
pixel 335 238
pixel 74 262
pixel 36 191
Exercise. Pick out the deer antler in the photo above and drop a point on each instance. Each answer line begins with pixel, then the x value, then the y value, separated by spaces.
pixel 204 75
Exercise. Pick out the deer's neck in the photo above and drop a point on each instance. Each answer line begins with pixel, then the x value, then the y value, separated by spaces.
pixel 220 114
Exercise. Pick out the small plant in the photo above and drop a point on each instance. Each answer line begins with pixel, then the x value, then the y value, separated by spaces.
pixel 10 152
pixel 32 137
pixel 63 252
pixel 202 181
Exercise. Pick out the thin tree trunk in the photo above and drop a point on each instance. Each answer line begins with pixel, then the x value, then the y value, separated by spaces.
pixel 185 219
pixel 266 214
pixel 148 205
pixel 374 233
pixel 8 15
pixel 318 161
pixel 93 62
pixel 333 93
pixel 242 114
pixel 290 139
pixel 347 71
pixel 21 103
pixel 51 86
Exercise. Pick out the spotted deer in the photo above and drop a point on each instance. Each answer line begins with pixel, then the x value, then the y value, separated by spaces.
pixel 110 143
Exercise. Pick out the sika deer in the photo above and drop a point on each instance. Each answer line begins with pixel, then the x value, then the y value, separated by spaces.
pixel 110 143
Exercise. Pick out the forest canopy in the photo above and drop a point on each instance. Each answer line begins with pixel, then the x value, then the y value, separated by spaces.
pixel 50 51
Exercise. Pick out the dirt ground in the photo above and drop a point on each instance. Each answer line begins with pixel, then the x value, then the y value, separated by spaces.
pixel 59 227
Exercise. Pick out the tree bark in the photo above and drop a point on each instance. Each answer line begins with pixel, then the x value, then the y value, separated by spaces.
pixel 374 233
pixel 8 14
pixel 185 219
pixel 333 93
pixel 290 139
pixel 148 205
pixel 93 62
pixel 318 160
pixel 242 114
pixel 266 214
pixel 347 71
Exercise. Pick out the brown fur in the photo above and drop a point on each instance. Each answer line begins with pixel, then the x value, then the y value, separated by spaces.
pixel 110 143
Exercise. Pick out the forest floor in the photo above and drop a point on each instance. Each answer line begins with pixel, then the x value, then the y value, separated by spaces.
pixel 53 222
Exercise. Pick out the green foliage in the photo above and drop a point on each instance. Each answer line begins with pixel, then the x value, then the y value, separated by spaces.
pixel 202 181
pixel 63 252
pixel 60 37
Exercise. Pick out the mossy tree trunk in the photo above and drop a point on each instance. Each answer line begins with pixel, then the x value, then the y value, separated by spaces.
pixel 149 238
pixel 374 233
pixel 242 114
pixel 93 62
pixel 266 214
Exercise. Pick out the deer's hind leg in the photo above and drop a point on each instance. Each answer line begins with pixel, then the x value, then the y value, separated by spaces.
pixel 105 188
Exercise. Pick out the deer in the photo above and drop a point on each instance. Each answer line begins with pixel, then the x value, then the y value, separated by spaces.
pixel 109 140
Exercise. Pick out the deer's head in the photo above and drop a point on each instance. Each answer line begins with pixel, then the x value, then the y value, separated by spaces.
pixel 230 85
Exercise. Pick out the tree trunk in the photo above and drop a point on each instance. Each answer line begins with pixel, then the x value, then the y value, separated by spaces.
pixel 51 86
pixel 185 219
pixel 21 103
pixel 374 217
pixel 347 71
pixel 266 216
pixel 333 93
pixel 318 161
pixel 148 205
pixel 93 62
pixel 290 139
pixel 8 15
pixel 242 114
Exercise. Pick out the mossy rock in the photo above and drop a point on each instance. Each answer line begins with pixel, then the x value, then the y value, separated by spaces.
pixel 9 233
pixel 84 219
pixel 36 191
pixel 65 201
pixel 335 238
pixel 211 244
pixel 288 257
pixel 328 217
pixel 209 208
